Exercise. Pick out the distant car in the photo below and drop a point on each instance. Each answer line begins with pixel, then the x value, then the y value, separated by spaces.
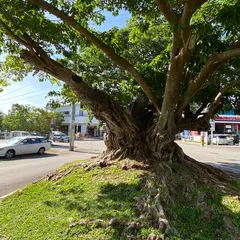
pixel 233 139
pixel 236 139
pixel 230 139
pixel 60 137
pixel 220 140
pixel 24 145
pixel 19 134
pixel 36 134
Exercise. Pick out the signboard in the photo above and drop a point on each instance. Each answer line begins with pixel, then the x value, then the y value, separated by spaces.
pixel 212 123
pixel 228 119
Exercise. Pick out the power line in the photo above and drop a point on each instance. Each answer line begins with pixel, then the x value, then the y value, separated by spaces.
pixel 19 89
pixel 25 98
pixel 24 94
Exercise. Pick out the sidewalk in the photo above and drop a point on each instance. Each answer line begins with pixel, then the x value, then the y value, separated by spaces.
pixel 211 146
pixel 82 145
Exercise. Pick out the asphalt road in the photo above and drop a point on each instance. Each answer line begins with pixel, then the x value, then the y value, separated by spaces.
pixel 224 157
pixel 23 170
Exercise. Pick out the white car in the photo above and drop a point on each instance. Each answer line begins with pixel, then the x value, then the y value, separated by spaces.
pixel 59 137
pixel 220 139
pixel 24 145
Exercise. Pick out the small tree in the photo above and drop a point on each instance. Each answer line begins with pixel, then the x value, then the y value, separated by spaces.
pixel 1 119
pixel 18 118
pixel 28 118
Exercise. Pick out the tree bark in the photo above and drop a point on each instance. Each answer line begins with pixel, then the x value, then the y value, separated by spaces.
pixel 146 144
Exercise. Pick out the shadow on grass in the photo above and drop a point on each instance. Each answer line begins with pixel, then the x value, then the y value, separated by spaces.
pixel 207 212
pixel 109 201
pixel 118 199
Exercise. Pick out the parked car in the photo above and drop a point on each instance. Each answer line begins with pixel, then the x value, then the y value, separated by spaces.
pixel 220 140
pixel 36 134
pixel 24 145
pixel 60 137
pixel 19 134
pixel 234 139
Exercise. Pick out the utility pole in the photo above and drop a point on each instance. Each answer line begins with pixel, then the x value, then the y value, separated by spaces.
pixel 212 123
pixel 52 128
pixel 72 128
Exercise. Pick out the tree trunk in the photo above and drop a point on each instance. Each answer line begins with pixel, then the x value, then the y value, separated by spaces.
pixel 139 143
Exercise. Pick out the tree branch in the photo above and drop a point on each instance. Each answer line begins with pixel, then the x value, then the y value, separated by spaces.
pixel 12 35
pixel 199 124
pixel 120 61
pixel 24 39
pixel 100 103
pixel 167 12
pixel 202 123
pixel 190 7
pixel 201 108
pixel 217 101
pixel 211 67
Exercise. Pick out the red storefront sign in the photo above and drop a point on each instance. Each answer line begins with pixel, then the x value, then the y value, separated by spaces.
pixel 228 119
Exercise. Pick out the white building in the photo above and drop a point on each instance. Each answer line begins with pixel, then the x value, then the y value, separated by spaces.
pixel 82 124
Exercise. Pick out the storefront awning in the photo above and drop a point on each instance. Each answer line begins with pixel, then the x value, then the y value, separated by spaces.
pixel 228 122
pixel 229 119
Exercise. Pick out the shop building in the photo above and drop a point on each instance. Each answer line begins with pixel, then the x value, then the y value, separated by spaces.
pixel 227 124
pixel 83 127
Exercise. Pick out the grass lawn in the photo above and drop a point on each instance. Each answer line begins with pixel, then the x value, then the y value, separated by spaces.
pixel 81 204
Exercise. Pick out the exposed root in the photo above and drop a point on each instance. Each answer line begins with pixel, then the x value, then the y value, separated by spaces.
pixel 174 175
pixel 87 222
pixel 114 222
pixel 127 152
pixel 62 173
pixel 130 164
pixel 152 210
pixel 179 175
pixel 154 237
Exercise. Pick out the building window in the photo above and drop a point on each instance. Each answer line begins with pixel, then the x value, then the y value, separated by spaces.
pixel 66 113
pixel 80 112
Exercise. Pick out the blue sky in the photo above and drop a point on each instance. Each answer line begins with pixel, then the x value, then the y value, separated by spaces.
pixel 31 91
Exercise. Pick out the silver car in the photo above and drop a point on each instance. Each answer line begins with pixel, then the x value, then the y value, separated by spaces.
pixel 24 145
pixel 60 138
pixel 220 140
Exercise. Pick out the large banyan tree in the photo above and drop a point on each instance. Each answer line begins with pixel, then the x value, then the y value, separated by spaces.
pixel 173 67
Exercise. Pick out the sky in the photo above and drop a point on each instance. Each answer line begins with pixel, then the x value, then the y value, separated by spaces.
pixel 31 91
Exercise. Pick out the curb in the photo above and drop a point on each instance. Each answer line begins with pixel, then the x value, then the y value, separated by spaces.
pixel 9 194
